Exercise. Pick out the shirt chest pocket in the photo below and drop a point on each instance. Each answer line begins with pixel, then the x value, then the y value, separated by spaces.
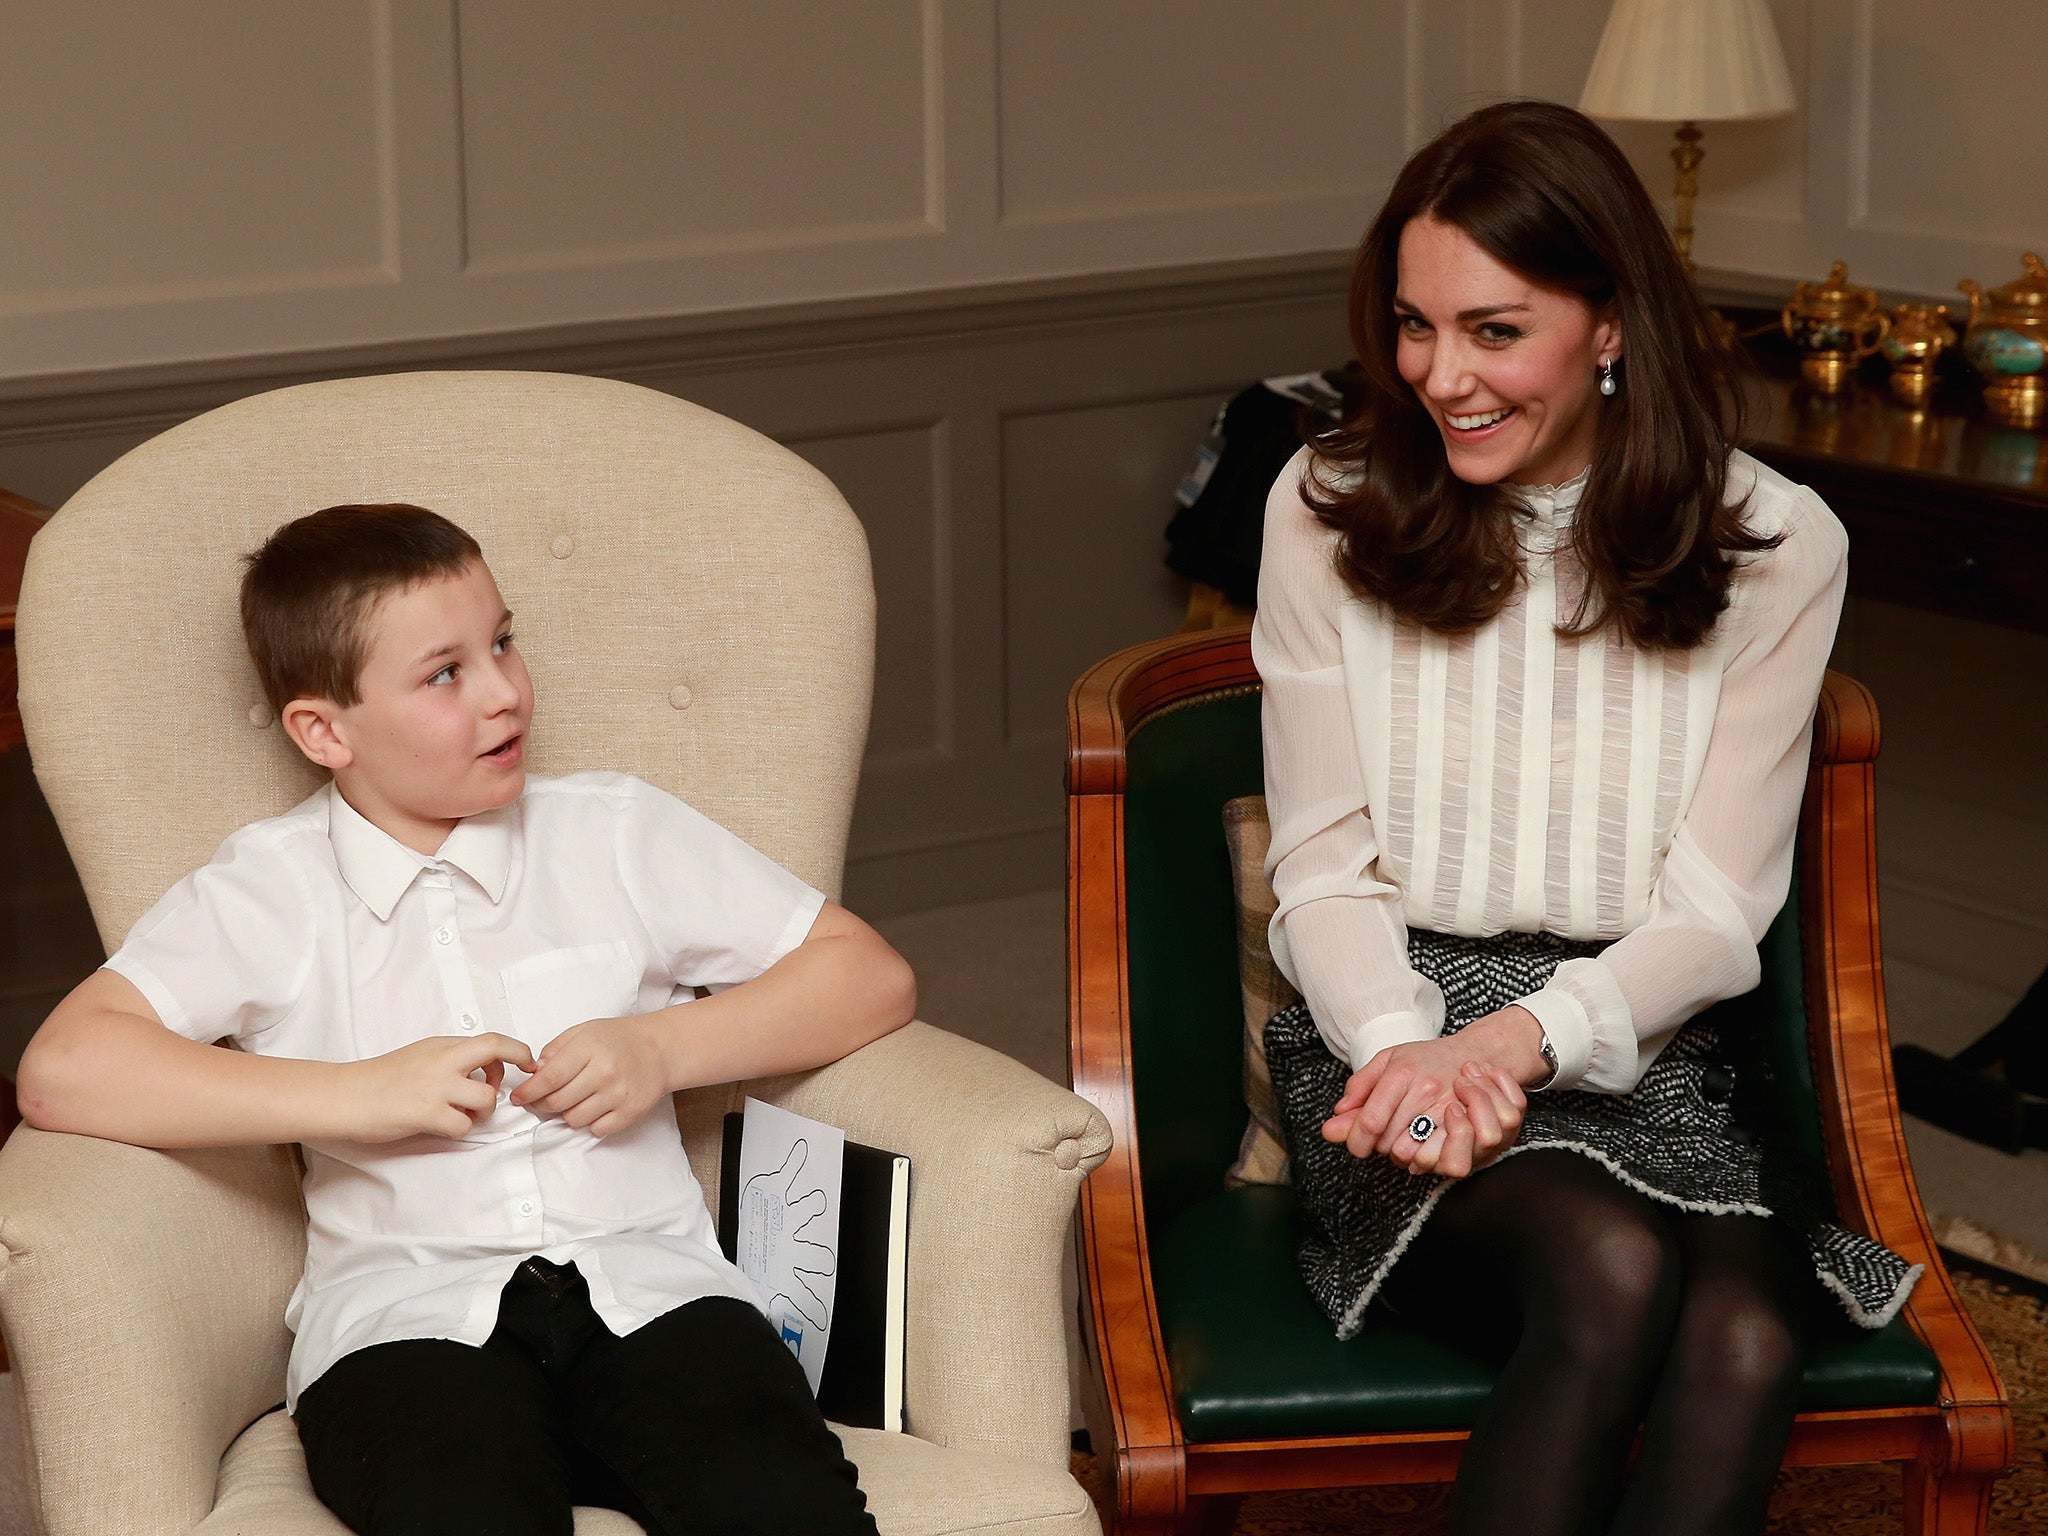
pixel 559 988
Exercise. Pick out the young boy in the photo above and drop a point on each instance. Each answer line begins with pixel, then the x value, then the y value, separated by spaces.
pixel 452 985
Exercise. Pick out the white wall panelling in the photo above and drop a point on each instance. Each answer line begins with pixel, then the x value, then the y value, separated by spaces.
pixel 1922 87
pixel 438 169
pixel 684 131
pixel 155 165
pixel 1136 126
pixel 272 180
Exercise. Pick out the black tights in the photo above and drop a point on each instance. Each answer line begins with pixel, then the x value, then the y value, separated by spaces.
pixel 1621 1313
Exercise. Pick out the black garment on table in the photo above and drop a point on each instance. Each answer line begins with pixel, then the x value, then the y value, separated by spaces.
pixel 698 1420
pixel 1215 537
pixel 1678 1137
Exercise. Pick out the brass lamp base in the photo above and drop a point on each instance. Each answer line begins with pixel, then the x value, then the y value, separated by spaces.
pixel 1686 154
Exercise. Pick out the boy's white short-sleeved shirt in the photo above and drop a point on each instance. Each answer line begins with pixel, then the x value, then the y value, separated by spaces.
pixel 315 935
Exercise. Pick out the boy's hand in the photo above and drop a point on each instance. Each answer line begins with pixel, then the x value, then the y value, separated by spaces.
pixel 603 1075
pixel 426 1088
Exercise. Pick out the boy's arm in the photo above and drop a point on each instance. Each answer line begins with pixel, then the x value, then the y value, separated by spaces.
pixel 842 987
pixel 103 1064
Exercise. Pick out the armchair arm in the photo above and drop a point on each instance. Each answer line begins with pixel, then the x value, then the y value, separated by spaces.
pixel 143 1299
pixel 1850 1042
pixel 997 1155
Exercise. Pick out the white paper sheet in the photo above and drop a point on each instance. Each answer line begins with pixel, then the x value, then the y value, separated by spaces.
pixel 788 1241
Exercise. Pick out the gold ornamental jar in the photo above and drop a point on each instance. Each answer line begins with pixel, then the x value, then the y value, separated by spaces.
pixel 1835 326
pixel 1919 334
pixel 2007 343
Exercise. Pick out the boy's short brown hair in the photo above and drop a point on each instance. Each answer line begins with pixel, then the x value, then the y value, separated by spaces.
pixel 307 592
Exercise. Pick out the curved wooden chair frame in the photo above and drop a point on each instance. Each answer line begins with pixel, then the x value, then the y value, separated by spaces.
pixel 1951 1451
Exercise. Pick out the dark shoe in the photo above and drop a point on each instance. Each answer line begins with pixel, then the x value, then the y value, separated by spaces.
pixel 1969 1103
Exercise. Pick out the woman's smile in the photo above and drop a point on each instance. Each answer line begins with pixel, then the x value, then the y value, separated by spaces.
pixel 1478 426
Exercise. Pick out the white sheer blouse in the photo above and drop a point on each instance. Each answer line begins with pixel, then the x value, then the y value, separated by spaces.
pixel 1513 779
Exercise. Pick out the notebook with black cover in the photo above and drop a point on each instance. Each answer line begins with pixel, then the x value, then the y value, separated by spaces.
pixel 862 1383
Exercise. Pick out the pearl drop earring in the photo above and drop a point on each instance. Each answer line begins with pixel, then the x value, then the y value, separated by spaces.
pixel 1607 384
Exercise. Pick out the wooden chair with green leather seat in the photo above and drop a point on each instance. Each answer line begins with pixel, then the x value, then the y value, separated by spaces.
pixel 1215 1374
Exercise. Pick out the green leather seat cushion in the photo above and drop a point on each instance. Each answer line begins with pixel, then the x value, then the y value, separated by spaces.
pixel 1253 1357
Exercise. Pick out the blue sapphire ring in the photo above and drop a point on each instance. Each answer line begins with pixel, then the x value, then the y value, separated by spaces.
pixel 1421 1128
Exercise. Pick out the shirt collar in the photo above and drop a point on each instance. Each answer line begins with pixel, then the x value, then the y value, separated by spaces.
pixel 380 869
pixel 1561 499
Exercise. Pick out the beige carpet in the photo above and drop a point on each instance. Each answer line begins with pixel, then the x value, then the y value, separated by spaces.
pixel 994 971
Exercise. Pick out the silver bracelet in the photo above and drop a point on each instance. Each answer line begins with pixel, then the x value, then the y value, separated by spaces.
pixel 1549 1054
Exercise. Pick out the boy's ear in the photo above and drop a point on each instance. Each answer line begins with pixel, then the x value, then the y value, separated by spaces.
pixel 311 725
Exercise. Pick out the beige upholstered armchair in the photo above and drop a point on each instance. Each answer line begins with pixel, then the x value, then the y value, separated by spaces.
pixel 696 607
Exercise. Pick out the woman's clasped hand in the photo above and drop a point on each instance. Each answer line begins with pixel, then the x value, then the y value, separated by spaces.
pixel 1462 1082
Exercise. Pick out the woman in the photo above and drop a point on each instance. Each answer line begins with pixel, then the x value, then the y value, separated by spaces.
pixel 1540 653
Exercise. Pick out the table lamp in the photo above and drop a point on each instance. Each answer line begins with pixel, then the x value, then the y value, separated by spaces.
pixel 1688 62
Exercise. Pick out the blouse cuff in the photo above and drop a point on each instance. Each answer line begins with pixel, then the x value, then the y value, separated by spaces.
pixel 1389 1029
pixel 1591 1027
pixel 1569 1031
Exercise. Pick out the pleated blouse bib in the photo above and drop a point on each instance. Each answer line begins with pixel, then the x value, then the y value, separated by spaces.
pixel 1515 780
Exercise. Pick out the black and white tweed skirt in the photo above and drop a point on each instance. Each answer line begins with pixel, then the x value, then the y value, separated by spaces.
pixel 1679 1138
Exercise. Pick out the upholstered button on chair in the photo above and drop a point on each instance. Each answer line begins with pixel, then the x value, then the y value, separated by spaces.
pixel 1217 1373
pixel 696 607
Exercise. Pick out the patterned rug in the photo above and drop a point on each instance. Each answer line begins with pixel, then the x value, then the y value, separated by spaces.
pixel 1810 1501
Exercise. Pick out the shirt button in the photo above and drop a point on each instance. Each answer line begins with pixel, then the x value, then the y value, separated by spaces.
pixel 469 1021
pixel 679 697
pixel 444 935
pixel 526 1207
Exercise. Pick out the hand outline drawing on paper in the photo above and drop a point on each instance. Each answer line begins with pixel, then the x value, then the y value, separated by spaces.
pixel 808 1259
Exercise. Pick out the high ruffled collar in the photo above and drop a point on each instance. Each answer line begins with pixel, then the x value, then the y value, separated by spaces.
pixel 1548 511
pixel 1555 500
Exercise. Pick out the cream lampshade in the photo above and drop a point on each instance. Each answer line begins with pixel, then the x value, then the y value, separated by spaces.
pixel 1688 62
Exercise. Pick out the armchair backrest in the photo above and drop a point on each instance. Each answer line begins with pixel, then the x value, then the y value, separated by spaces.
pixel 694 601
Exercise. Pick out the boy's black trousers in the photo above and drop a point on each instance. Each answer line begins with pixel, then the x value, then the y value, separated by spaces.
pixel 699 1422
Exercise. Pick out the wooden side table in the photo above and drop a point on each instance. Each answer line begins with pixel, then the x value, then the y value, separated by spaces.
pixel 19 520
pixel 1947 511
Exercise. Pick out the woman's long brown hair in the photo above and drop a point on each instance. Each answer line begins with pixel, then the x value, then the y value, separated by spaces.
pixel 1545 192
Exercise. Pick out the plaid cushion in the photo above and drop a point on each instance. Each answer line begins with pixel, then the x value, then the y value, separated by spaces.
pixel 1262 1156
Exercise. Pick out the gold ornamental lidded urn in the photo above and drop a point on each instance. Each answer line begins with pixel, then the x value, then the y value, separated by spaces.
pixel 1919 334
pixel 1835 326
pixel 2007 343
